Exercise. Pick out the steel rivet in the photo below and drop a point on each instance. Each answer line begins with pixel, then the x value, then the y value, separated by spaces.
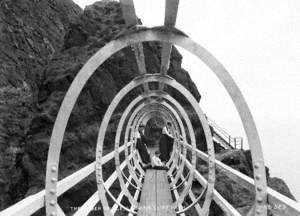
pixel 52 203
pixel 53 180
pixel 256 165
pixel 52 191
pixel 259 188
pixel 53 169
pixel 258 211
pixel 53 214
pixel 259 199
pixel 258 177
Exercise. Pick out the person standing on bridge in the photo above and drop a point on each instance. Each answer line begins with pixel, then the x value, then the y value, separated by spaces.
pixel 141 146
pixel 166 142
pixel 147 162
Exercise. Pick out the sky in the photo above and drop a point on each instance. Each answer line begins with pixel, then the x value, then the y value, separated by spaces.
pixel 258 42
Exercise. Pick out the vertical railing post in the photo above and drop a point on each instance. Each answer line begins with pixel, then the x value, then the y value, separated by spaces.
pixel 234 140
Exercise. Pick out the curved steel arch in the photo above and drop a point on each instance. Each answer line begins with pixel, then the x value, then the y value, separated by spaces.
pixel 176 140
pixel 165 36
pixel 117 160
pixel 179 120
pixel 125 113
pixel 117 138
pixel 179 172
pixel 131 121
pixel 193 102
pixel 177 158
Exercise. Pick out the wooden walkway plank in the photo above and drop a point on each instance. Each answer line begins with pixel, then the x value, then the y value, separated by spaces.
pixel 163 195
pixel 156 197
pixel 148 198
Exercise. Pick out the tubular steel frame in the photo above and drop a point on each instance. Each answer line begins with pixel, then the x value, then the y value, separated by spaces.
pixel 167 36
pixel 195 200
pixel 104 124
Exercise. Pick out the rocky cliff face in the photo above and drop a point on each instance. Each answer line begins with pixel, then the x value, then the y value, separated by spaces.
pixel 44 43
pixel 31 32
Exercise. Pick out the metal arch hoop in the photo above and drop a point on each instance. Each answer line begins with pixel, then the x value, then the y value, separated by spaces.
pixel 117 160
pixel 132 127
pixel 176 85
pixel 119 129
pixel 182 128
pixel 166 36
pixel 126 112
pixel 176 159
pixel 173 156
pixel 179 87
pixel 182 182
pixel 131 124
pixel 146 116
pixel 205 205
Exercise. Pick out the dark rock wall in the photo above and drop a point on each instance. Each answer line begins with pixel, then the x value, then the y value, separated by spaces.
pixel 31 32
pixel 238 196
pixel 44 44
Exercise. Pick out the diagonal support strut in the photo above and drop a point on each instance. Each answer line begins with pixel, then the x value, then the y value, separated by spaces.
pixel 130 18
pixel 170 21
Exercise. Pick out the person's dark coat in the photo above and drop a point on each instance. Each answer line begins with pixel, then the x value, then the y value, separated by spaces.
pixel 165 147
pixel 141 147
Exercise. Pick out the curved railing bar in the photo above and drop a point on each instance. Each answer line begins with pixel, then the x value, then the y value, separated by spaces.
pixel 134 114
pixel 165 36
pixel 190 128
pixel 193 203
pixel 175 187
pixel 121 195
pixel 117 139
pixel 173 151
pixel 139 112
pixel 129 107
pixel 178 119
pixel 114 199
pixel 102 132
pixel 193 198
pixel 183 90
pixel 127 180
pixel 147 114
pixel 121 180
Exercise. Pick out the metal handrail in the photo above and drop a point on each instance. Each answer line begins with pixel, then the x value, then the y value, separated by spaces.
pixel 35 202
pixel 232 142
pixel 276 200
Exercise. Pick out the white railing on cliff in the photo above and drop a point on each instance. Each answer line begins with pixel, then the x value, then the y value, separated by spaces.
pixel 223 137
pixel 277 203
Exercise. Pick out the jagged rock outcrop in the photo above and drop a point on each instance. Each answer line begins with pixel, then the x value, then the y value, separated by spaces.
pixel 53 40
pixel 30 33
pixel 239 197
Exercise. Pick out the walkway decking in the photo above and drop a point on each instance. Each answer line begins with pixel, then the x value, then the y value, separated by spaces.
pixel 156 199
